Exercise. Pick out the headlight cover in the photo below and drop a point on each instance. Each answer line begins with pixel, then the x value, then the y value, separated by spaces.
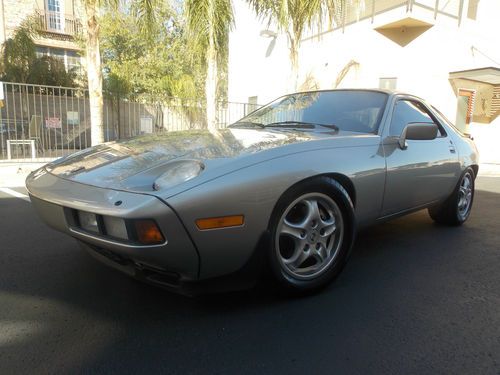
pixel 178 172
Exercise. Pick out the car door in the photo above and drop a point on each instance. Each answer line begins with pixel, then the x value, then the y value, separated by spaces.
pixel 426 170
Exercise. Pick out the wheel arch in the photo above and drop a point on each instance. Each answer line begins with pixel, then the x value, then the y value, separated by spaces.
pixel 344 181
pixel 475 168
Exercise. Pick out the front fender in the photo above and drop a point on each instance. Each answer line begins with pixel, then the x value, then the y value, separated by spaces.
pixel 254 191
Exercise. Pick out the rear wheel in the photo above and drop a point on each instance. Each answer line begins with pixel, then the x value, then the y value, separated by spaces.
pixel 312 233
pixel 456 209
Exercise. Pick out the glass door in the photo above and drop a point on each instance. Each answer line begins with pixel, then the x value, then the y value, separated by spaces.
pixel 55 19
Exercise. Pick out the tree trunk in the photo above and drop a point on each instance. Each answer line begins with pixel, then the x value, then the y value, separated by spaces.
pixel 211 87
pixel 211 78
pixel 94 73
pixel 294 61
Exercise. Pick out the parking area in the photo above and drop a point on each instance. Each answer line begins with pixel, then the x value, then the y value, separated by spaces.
pixel 415 298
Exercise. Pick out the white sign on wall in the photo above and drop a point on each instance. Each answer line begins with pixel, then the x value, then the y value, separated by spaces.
pixel 146 125
pixel 73 118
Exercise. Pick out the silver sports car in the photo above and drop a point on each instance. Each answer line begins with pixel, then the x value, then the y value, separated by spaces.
pixel 283 189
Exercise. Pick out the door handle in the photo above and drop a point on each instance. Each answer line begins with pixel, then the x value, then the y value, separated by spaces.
pixel 451 148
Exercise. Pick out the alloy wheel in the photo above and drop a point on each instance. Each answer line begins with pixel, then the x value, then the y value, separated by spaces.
pixel 309 235
pixel 465 195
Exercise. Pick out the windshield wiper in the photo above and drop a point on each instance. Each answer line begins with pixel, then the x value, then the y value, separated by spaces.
pixel 246 124
pixel 301 125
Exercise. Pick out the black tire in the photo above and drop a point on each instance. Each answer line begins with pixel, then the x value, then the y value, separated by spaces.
pixel 328 190
pixel 452 211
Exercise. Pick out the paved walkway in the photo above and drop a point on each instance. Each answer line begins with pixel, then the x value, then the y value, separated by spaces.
pixel 14 174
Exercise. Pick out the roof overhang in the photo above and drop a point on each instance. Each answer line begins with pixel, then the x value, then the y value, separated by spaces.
pixel 488 75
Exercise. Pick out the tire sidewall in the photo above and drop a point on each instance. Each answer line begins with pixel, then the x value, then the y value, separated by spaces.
pixel 456 197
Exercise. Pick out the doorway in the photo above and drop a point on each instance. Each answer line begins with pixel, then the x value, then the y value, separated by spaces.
pixel 465 108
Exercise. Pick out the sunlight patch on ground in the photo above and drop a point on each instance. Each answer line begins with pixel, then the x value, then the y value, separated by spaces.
pixel 55 323
pixel 13 332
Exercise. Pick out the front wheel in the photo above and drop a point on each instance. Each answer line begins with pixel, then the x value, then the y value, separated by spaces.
pixel 456 209
pixel 312 233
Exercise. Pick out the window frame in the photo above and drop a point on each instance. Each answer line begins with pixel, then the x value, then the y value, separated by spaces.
pixel 381 117
pixel 55 18
pixel 387 129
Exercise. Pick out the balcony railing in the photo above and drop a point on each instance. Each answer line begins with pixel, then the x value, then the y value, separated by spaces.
pixel 351 12
pixel 371 8
pixel 58 23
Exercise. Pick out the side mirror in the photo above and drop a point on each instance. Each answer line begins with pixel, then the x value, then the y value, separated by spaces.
pixel 419 131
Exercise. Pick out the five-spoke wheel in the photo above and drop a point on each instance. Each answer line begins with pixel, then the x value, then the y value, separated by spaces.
pixel 465 195
pixel 312 232
pixel 309 235
pixel 456 209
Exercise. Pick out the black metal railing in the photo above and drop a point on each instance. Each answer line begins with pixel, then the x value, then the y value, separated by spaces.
pixel 46 122
pixel 350 12
pixel 58 23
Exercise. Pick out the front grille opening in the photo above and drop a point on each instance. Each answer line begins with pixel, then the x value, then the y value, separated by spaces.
pixel 158 276
pixel 112 256
pixel 150 273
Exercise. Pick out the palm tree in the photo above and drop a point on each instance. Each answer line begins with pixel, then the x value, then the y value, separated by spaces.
pixel 144 9
pixel 294 17
pixel 208 24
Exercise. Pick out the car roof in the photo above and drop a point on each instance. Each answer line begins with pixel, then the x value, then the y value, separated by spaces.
pixel 385 91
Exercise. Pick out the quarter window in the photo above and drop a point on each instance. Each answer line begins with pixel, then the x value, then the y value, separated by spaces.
pixel 407 111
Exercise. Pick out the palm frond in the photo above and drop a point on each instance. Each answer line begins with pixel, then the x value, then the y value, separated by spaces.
pixel 209 19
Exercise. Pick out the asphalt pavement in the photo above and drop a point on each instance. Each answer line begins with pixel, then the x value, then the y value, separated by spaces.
pixel 415 298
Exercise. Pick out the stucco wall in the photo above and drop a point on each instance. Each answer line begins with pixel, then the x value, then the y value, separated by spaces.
pixel 486 137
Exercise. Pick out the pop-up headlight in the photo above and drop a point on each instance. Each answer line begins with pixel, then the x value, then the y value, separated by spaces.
pixel 178 172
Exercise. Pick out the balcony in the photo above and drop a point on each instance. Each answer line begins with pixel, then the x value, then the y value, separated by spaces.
pixel 389 15
pixel 57 23
pixel 373 8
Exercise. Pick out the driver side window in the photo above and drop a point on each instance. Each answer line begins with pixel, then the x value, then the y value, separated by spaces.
pixel 407 111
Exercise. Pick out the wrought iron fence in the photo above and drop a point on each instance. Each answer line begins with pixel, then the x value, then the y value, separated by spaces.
pixel 46 122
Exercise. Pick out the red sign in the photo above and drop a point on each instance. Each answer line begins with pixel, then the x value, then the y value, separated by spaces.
pixel 53 123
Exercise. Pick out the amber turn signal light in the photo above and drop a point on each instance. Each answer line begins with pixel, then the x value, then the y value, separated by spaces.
pixel 220 222
pixel 148 232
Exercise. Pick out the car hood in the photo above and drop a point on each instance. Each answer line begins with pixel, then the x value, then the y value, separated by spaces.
pixel 134 164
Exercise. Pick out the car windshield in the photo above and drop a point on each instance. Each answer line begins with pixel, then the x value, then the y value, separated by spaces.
pixel 347 110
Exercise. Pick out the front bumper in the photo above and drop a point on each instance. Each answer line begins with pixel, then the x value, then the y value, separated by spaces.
pixel 177 258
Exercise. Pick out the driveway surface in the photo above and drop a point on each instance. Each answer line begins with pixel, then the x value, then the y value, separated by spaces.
pixel 415 298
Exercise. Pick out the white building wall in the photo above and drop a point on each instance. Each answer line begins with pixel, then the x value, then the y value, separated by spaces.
pixel 251 73
pixel 421 67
